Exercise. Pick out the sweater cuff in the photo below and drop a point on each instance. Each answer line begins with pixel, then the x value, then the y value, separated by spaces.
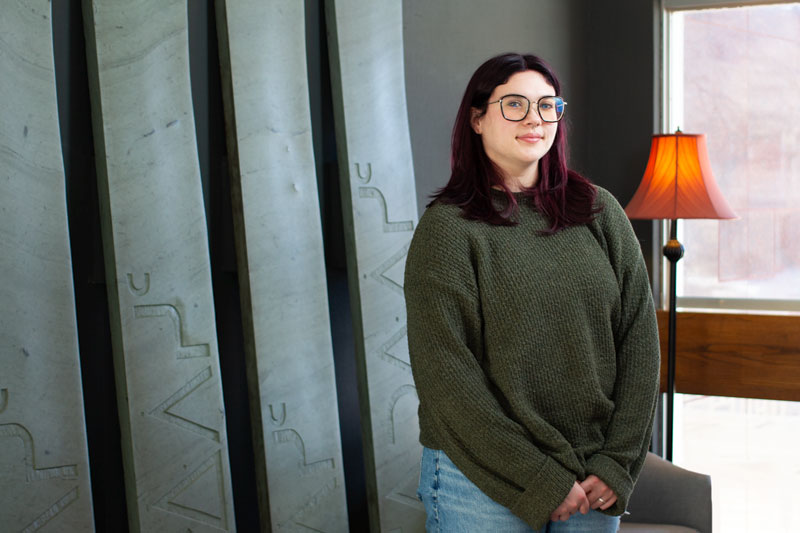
pixel 544 492
pixel 617 478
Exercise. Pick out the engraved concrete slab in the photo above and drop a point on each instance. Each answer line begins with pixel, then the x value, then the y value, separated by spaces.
pixel 172 419
pixel 44 464
pixel 281 266
pixel 379 204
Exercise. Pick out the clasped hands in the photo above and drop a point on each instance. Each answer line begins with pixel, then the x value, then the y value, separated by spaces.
pixel 591 493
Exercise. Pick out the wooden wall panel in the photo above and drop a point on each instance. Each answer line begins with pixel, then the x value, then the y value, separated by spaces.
pixel 44 464
pixel 380 213
pixel 155 240
pixel 281 266
pixel 741 355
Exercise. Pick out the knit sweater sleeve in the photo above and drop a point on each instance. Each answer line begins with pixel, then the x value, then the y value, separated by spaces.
pixel 620 460
pixel 445 347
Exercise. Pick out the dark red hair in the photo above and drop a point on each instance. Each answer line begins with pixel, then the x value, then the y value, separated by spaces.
pixel 565 197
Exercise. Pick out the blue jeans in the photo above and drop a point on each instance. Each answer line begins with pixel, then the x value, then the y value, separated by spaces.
pixel 454 504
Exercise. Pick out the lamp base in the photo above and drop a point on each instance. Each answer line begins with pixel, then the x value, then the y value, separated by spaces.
pixel 673 251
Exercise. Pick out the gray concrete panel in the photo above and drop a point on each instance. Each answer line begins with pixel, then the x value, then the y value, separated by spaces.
pixel 172 419
pixel 44 464
pixel 380 213
pixel 281 266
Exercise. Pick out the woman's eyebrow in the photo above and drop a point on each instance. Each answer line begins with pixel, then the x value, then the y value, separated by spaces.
pixel 532 99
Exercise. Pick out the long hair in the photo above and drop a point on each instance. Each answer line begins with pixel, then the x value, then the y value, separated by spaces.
pixel 565 197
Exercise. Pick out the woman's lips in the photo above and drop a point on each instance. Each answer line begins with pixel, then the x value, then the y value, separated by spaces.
pixel 530 137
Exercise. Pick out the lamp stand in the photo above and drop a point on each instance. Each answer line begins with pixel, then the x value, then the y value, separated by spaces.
pixel 673 251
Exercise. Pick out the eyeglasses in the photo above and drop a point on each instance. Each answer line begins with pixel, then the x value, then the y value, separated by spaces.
pixel 515 107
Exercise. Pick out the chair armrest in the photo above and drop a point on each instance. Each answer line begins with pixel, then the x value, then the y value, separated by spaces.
pixel 668 494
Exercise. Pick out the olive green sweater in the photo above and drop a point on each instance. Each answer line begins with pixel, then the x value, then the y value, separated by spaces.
pixel 535 357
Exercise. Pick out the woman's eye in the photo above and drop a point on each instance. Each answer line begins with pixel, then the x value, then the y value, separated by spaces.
pixel 545 106
pixel 514 103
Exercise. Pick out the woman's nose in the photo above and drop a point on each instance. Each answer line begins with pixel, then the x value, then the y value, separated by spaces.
pixel 533 115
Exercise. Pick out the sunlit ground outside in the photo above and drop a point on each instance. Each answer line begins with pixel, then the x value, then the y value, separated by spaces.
pixel 751 450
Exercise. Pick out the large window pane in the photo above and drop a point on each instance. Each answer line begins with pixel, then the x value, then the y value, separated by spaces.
pixel 740 77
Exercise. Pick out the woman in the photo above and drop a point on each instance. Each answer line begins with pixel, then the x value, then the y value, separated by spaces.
pixel 531 325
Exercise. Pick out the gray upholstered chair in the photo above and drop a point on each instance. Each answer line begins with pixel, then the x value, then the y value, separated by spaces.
pixel 668 499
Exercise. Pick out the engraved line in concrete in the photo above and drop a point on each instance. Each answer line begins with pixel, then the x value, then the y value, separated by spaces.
pixel 185 351
pixel 162 410
pixel 52 511
pixel 399 496
pixel 368 177
pixel 33 473
pixel 166 503
pixel 139 291
pixel 3 399
pixel 388 227
pixel 385 350
pixel 313 502
pixel 309 528
pixel 306 468
pixel 379 274
pixel 283 415
pixel 396 395
pixel 404 499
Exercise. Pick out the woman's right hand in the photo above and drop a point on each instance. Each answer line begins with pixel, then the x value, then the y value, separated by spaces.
pixel 576 501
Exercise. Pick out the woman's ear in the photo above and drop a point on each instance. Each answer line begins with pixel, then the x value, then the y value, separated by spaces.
pixel 475 120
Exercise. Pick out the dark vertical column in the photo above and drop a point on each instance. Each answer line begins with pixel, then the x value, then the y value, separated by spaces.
pixel 325 155
pixel 623 60
pixel 213 159
pixel 97 371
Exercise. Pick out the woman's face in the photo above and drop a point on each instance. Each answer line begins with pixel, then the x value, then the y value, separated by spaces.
pixel 517 147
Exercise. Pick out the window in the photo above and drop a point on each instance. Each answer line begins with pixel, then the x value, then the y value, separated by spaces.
pixel 733 74
pixel 746 446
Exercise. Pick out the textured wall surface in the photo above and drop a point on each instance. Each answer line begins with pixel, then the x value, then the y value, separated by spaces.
pixel 157 268
pixel 281 266
pixel 380 213
pixel 44 465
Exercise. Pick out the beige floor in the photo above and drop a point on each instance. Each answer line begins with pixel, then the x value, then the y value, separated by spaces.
pixel 751 449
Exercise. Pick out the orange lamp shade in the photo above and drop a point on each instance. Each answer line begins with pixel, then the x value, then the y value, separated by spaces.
pixel 678 182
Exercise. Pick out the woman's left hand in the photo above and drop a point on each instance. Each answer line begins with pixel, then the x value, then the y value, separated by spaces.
pixel 597 492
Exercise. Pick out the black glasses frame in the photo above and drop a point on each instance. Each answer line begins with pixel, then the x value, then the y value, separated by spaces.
pixel 538 111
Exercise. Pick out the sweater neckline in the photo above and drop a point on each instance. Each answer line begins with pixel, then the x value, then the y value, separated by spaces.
pixel 520 197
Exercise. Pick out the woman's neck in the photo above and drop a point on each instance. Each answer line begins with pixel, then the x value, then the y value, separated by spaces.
pixel 518 182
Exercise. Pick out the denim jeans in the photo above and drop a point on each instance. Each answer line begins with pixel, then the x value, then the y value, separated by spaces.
pixel 454 504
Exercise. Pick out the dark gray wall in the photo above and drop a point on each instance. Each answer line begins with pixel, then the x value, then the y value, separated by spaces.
pixel 446 40
pixel 622 65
